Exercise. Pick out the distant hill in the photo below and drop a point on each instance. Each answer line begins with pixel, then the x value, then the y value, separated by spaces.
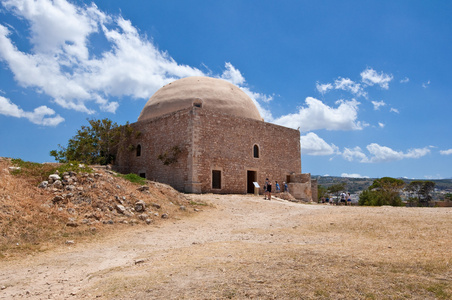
pixel 355 185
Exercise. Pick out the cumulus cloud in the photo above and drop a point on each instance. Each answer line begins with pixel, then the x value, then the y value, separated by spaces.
pixel 381 125
pixel 379 154
pixel 232 75
pixel 349 85
pixel 405 80
pixel 378 104
pixel 317 115
pixel 352 154
pixel 446 152
pixel 394 110
pixel 62 66
pixel 41 115
pixel 312 144
pixel 371 77
pixel 323 88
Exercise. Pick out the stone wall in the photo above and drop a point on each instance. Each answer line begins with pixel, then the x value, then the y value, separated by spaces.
pixel 208 141
pixel 226 143
pixel 159 137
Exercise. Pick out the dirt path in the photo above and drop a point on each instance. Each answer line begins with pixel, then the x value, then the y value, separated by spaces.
pixel 246 247
pixel 69 271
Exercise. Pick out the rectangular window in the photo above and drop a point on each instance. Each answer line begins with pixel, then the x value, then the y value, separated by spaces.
pixel 216 179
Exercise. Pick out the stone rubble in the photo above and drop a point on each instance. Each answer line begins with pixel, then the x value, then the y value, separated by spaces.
pixel 94 198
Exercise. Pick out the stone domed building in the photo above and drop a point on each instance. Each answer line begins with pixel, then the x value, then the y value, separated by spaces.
pixel 205 135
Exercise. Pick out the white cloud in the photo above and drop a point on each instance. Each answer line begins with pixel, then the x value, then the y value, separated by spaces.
pixel 385 154
pixel 316 115
pixel 405 80
pixel 379 153
pixel 381 125
pixel 353 175
pixel 62 66
pixel 312 144
pixel 39 115
pixel 354 154
pixel 370 77
pixel 323 88
pixel 426 84
pixel 378 104
pixel 349 85
pixel 446 152
pixel 394 110
pixel 232 75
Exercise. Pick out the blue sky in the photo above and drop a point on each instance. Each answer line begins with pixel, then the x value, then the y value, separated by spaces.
pixel 368 83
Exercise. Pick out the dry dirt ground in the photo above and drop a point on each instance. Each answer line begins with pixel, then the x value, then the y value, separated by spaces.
pixel 242 247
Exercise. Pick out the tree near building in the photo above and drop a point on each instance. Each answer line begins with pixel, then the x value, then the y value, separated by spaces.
pixel 94 144
pixel 336 190
pixel 383 191
pixel 420 192
pixel 322 192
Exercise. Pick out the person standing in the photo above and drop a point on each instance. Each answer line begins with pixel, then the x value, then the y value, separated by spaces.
pixel 286 188
pixel 277 188
pixel 269 190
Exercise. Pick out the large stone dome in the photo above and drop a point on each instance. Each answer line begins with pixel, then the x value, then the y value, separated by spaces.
pixel 206 92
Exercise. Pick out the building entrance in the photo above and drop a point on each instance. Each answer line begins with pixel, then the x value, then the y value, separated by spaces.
pixel 251 176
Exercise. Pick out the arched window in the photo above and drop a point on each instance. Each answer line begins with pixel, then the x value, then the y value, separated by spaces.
pixel 139 150
pixel 256 151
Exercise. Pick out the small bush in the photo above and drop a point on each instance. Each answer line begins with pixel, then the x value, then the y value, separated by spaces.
pixel 134 178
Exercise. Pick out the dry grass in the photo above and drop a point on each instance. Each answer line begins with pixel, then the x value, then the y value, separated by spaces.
pixel 30 222
pixel 345 253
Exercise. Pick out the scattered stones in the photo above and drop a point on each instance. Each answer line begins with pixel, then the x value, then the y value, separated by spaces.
pixel 156 205
pixel 165 216
pixel 54 177
pixel 70 242
pixel 140 206
pixel 58 184
pixel 182 208
pixel 70 187
pixel 143 188
pixel 72 223
pixel 57 199
pixel 121 209
pixel 143 217
pixel 43 184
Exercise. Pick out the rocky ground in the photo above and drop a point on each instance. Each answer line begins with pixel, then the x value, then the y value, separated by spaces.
pixel 232 247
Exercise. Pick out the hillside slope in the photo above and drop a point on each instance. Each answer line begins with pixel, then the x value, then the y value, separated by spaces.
pixel 35 216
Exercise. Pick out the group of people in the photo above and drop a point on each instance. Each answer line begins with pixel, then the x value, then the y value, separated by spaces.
pixel 268 188
pixel 344 199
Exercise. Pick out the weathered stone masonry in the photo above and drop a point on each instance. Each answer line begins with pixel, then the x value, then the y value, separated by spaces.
pixel 209 141
pixel 205 135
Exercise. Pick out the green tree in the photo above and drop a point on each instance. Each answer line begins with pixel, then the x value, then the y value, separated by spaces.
pixel 421 192
pixel 321 192
pixel 94 144
pixel 383 191
pixel 336 190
